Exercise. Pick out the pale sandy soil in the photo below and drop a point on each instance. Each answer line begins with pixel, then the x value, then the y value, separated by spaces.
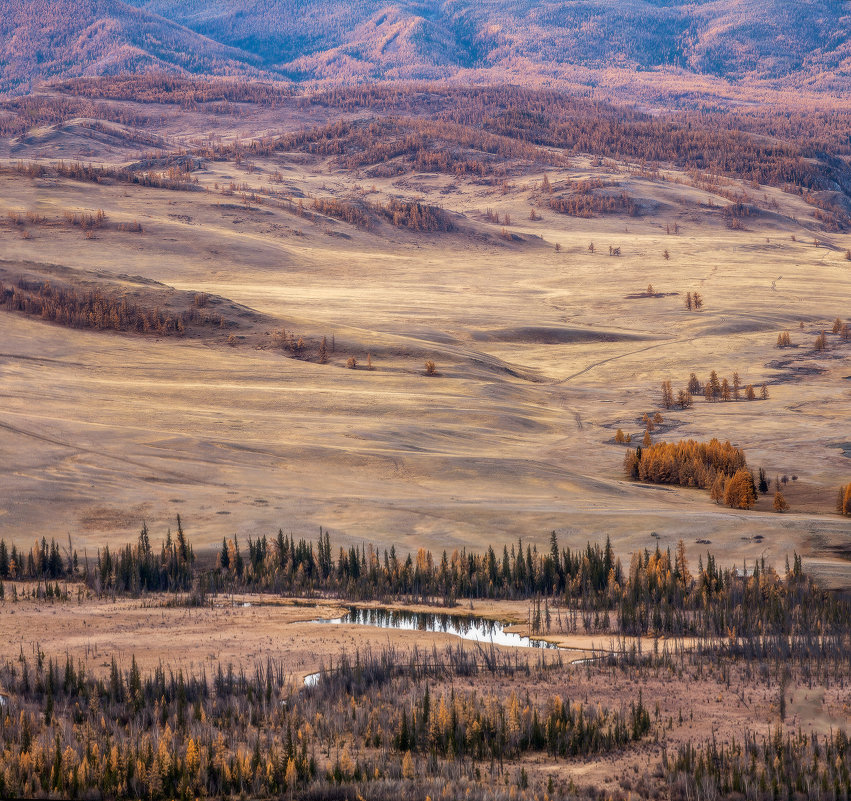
pixel 99 432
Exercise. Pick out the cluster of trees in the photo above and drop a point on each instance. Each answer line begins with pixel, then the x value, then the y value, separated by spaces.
pixel 694 300
pixel 486 727
pixel 737 212
pixel 410 144
pixel 184 91
pixel 176 177
pixel 416 216
pixel 43 561
pixel 100 310
pixel 686 463
pixel 650 423
pixel 342 210
pixel 86 220
pixel 841 329
pixel 790 765
pixel 719 467
pixel 737 491
pixel 131 569
pixel 715 389
pixel 287 565
pixel 137 568
pixel 588 203
pixel 48 109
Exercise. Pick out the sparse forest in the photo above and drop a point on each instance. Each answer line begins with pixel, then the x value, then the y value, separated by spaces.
pixel 98 310
pixel 407 721
pixel 473 131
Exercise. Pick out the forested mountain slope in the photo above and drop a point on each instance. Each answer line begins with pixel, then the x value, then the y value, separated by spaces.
pixel 788 43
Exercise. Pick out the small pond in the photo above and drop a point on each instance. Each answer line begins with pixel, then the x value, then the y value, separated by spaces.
pixel 467 627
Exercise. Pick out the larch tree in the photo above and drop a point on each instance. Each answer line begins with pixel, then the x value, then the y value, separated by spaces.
pixel 718 488
pixel 739 492
pixel 713 387
pixel 681 565
pixel 843 501
pixel 667 395
pixel 694 385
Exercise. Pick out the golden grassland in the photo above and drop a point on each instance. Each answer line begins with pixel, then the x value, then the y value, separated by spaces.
pixel 541 353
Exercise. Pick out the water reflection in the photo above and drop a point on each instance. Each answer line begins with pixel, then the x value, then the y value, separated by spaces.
pixel 467 627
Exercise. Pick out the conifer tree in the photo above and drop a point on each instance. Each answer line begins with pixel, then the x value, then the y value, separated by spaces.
pixel 694 386
pixel 667 395
pixel 739 492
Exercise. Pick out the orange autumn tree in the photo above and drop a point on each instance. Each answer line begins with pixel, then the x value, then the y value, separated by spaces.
pixel 686 463
pixel 843 500
pixel 740 492
pixel 780 504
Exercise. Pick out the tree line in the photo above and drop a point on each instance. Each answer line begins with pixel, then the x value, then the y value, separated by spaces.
pixel 585 589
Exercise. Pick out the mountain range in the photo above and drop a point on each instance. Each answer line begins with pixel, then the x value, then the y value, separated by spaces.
pixel 781 44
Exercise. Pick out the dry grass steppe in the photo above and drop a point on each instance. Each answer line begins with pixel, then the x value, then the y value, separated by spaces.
pixel 542 353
